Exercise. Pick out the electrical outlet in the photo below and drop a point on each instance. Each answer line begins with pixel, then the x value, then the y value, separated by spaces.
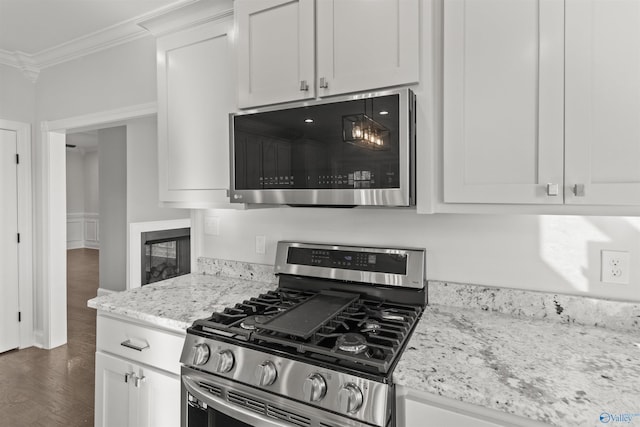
pixel 212 225
pixel 615 267
pixel 260 244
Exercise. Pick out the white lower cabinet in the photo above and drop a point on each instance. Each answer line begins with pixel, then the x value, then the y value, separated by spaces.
pixel 421 409
pixel 130 393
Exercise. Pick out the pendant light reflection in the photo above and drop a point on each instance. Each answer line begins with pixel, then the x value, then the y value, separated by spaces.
pixel 362 131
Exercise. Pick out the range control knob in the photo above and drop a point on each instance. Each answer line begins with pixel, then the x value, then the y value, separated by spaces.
pixel 349 398
pixel 222 361
pixel 314 388
pixel 266 373
pixel 200 354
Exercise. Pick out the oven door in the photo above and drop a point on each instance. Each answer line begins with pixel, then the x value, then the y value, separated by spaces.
pixel 212 401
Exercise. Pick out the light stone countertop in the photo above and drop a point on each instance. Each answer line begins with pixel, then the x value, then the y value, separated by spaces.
pixel 558 373
pixel 176 303
pixel 563 374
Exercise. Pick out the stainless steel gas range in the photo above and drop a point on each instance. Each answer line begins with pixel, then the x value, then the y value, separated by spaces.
pixel 319 351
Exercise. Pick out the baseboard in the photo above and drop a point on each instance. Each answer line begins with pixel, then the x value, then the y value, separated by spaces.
pixel 102 291
pixel 37 338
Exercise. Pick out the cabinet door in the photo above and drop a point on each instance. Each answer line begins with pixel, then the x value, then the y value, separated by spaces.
pixel 367 44
pixel 503 101
pixel 603 101
pixel 195 96
pixel 275 51
pixel 130 395
pixel 116 402
pixel 159 398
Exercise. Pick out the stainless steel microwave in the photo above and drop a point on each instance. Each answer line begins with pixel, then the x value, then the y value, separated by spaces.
pixel 352 150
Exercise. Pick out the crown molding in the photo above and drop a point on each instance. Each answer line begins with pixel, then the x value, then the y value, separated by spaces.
pixel 123 32
pixel 190 15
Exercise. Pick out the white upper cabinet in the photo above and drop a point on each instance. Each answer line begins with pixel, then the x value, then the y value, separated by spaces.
pixel 290 50
pixel 503 101
pixel 275 51
pixel 366 44
pixel 542 102
pixel 603 102
pixel 196 93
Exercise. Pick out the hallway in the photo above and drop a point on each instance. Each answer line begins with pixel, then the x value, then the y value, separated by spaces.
pixel 56 387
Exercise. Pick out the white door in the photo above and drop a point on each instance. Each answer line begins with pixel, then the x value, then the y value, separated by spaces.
pixel 276 53
pixel 159 397
pixel 9 293
pixel 503 101
pixel 603 102
pixel 365 44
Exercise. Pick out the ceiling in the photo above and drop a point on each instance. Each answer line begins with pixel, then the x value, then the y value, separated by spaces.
pixel 35 34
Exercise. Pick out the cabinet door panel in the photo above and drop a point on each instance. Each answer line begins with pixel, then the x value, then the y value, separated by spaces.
pixel 275 51
pixel 195 97
pixel 115 403
pixel 603 101
pixel 159 396
pixel 503 98
pixel 365 44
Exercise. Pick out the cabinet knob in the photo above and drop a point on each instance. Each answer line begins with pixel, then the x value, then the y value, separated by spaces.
pixel 324 83
pixel 578 190
pixel 553 189
pixel 304 86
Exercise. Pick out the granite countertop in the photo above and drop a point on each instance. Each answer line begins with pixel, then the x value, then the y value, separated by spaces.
pixel 176 303
pixel 558 372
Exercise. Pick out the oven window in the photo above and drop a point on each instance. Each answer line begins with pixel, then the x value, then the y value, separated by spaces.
pixel 341 145
pixel 209 417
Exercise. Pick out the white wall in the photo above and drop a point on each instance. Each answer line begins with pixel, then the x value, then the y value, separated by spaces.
pixel 545 253
pixel 118 77
pixel 83 219
pixel 91 195
pixel 75 181
pixel 142 174
pixel 17 96
pixel 112 170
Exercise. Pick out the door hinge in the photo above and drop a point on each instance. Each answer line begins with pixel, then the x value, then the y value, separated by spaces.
pixel 19 316
pixel 18 237
pixel 17 159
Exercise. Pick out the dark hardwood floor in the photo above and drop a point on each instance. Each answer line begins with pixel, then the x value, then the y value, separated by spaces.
pixel 56 387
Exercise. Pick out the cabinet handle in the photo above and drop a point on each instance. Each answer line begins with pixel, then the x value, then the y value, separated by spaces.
pixel 129 344
pixel 578 190
pixel 324 83
pixel 304 86
pixel 138 380
pixel 553 189
pixel 128 376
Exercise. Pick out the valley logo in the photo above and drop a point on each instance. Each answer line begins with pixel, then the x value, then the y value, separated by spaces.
pixel 623 417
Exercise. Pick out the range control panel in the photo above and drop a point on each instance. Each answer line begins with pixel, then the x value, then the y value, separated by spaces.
pixel 393 263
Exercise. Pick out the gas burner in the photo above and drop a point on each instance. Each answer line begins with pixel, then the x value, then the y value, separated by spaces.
pixel 371 326
pixel 391 314
pixel 352 343
pixel 251 322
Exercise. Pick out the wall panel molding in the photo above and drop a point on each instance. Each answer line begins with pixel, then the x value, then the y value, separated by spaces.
pixel 83 230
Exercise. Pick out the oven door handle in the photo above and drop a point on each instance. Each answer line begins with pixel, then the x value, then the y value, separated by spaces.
pixel 229 409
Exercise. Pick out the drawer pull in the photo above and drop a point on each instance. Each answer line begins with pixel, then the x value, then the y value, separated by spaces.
pixel 129 344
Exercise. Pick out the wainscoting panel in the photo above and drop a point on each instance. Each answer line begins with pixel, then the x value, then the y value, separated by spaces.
pixel 83 230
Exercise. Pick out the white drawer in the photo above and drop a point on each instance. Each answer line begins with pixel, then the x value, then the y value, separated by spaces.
pixel 144 344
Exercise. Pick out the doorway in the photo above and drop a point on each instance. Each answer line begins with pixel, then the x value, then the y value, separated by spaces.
pixel 52 216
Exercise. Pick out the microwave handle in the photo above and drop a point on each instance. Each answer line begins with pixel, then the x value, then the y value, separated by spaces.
pixel 218 404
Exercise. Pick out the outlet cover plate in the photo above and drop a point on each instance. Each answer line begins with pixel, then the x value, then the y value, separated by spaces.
pixel 615 267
